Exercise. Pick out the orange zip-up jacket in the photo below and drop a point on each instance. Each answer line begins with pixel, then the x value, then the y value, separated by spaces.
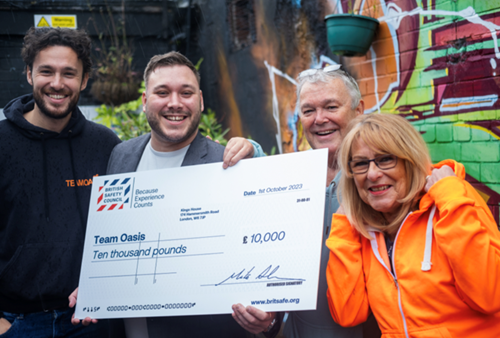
pixel 450 289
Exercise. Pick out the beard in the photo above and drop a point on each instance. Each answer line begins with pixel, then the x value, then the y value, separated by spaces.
pixel 155 124
pixel 46 110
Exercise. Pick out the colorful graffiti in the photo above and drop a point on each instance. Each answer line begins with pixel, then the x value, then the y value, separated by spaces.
pixel 433 62
pixel 446 84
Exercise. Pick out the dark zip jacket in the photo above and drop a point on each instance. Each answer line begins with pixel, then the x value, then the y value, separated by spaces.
pixel 45 184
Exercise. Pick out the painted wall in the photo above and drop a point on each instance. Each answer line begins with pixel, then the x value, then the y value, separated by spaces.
pixel 434 62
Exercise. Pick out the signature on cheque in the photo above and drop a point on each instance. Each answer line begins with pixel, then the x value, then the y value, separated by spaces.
pixel 245 276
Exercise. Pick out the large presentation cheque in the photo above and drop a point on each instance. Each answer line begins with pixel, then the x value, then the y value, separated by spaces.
pixel 196 240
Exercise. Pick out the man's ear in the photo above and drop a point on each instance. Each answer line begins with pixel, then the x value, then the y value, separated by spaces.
pixel 144 100
pixel 360 109
pixel 85 80
pixel 201 101
pixel 28 75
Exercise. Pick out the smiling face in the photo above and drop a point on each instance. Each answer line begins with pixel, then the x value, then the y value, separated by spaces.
pixel 381 189
pixel 325 112
pixel 57 79
pixel 173 103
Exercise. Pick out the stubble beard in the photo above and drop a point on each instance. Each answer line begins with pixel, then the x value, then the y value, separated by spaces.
pixel 43 107
pixel 155 124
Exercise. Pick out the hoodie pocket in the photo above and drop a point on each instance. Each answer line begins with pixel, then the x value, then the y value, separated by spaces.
pixel 42 271
pixel 13 320
pixel 426 332
pixel 436 332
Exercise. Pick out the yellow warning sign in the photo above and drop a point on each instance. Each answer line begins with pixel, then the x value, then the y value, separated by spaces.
pixel 43 23
pixel 59 20
pixel 64 21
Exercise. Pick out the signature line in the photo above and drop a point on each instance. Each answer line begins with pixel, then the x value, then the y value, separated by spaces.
pixel 302 280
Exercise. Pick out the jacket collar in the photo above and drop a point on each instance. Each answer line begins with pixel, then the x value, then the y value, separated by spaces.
pixel 197 151
pixel 14 112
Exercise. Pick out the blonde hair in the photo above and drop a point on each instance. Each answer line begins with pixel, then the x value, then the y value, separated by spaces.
pixel 391 134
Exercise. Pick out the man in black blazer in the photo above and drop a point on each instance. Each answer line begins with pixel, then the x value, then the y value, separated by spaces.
pixel 173 103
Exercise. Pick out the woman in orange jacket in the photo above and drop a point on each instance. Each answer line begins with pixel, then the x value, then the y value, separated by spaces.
pixel 415 244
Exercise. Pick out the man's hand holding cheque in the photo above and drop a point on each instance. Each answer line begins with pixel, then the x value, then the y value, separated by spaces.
pixel 252 319
pixel 174 237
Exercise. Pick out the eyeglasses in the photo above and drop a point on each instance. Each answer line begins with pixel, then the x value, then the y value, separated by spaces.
pixel 384 162
pixel 327 69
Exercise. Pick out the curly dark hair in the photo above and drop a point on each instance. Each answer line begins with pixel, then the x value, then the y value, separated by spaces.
pixel 37 39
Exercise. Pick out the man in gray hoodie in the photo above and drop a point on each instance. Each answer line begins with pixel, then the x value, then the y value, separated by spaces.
pixel 327 99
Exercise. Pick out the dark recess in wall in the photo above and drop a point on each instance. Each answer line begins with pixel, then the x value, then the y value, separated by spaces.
pixel 241 20
pixel 314 11
pixel 249 80
pixel 286 18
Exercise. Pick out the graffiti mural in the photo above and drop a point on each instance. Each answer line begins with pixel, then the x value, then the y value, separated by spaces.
pixel 434 62
pixel 445 82
pixel 437 63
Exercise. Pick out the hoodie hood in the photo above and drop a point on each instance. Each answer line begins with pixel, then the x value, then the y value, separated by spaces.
pixel 16 108
pixel 458 168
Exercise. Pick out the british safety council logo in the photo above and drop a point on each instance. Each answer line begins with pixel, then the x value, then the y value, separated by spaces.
pixel 114 194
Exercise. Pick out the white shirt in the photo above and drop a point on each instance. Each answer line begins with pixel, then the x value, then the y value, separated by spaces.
pixel 152 160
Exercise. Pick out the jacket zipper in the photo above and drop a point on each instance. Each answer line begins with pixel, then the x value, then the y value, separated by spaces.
pixel 399 303
pixel 394 276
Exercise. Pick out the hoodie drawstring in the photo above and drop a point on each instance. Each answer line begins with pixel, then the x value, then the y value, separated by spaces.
pixel 426 263
pixel 74 178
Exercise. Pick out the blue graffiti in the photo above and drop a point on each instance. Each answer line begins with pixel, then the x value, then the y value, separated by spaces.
pixel 292 124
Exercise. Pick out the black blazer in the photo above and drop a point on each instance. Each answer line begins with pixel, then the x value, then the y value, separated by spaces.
pixel 125 158
pixel 126 155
